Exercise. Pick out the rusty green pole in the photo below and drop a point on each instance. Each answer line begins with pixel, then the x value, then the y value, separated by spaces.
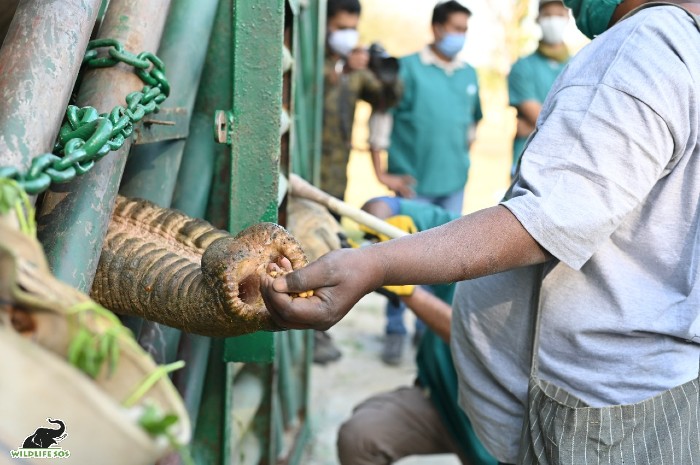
pixel 39 61
pixel 211 399
pixel 201 150
pixel 152 168
pixel 74 216
pixel 191 194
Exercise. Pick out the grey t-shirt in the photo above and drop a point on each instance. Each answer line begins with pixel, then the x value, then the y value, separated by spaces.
pixel 610 186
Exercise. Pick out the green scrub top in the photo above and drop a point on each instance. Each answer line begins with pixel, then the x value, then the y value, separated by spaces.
pixel 530 79
pixel 436 370
pixel 429 140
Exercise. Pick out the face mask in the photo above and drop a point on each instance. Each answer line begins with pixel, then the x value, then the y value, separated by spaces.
pixel 553 28
pixel 343 41
pixel 592 16
pixel 451 44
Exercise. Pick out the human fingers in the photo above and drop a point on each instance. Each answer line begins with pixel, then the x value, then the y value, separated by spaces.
pixel 290 311
pixel 321 273
pixel 338 280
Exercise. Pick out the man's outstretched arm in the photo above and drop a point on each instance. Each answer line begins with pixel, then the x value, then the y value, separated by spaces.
pixel 482 243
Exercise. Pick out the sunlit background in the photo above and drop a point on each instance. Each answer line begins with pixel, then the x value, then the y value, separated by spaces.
pixel 500 31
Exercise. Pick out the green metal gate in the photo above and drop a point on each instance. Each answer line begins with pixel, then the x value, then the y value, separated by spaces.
pixel 215 151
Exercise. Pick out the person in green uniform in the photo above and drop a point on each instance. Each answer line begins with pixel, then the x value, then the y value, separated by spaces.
pixel 533 75
pixel 346 79
pixel 435 119
pixel 434 124
pixel 424 418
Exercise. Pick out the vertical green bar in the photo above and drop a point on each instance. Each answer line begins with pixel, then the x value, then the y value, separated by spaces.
pixel 212 401
pixel 288 381
pixel 152 169
pixel 320 29
pixel 210 444
pixel 255 139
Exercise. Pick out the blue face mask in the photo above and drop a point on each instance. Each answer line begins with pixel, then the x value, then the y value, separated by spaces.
pixel 451 44
pixel 592 16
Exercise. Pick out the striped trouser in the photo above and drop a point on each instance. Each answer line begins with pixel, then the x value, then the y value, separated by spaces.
pixel 562 430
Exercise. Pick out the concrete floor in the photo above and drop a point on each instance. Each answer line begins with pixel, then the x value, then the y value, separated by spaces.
pixel 360 373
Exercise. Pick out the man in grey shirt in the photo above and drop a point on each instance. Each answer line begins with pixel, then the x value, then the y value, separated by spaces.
pixel 610 187
pixel 608 195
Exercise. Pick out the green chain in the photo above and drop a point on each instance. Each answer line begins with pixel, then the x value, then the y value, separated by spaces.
pixel 87 136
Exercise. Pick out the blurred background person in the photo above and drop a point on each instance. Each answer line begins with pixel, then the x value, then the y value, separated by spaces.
pixel 434 125
pixel 435 120
pixel 532 76
pixel 346 79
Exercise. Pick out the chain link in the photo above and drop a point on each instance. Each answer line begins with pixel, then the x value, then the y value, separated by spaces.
pixel 86 135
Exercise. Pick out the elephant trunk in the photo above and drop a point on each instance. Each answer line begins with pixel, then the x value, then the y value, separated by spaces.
pixel 166 267
pixel 61 428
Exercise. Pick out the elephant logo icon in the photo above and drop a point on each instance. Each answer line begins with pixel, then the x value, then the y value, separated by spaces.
pixel 43 438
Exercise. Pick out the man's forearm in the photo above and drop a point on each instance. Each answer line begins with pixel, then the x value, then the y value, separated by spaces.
pixel 479 244
pixel 435 313
pixel 377 162
pixel 528 112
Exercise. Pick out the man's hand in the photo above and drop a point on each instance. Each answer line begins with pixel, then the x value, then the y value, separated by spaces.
pixel 402 185
pixel 358 59
pixel 484 242
pixel 338 279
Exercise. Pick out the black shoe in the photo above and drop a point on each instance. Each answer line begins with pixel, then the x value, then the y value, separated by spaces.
pixel 392 354
pixel 324 349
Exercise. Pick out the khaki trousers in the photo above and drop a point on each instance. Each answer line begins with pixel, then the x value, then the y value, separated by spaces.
pixel 393 425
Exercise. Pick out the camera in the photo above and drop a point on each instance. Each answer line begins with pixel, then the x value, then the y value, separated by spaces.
pixel 384 66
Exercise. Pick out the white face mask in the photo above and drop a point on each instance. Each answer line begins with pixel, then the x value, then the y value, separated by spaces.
pixel 343 41
pixel 553 28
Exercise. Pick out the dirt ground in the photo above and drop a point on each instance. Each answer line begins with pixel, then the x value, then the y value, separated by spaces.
pixel 338 387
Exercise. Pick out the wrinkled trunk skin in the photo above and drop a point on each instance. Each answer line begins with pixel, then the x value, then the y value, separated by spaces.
pixel 163 266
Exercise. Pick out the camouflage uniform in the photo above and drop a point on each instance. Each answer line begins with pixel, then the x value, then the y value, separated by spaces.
pixel 340 96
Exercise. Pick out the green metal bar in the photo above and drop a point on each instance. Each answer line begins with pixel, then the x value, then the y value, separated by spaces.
pixel 210 443
pixel 257 103
pixel 252 348
pixel 320 7
pixel 276 449
pixel 289 382
pixel 204 395
pixel 151 170
pixel 296 346
pixel 255 139
pixel 299 137
pixel 39 61
pixel 73 217
pixel 220 193
pixel 306 376
pixel 197 167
